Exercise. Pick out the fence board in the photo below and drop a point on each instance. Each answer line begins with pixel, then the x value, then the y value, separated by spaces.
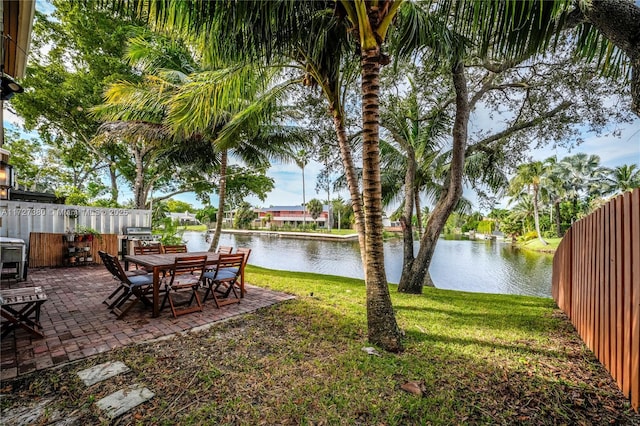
pixel 626 319
pixel 619 291
pixel 613 305
pixel 596 282
pixel 635 314
pixel 49 249
pixel 605 289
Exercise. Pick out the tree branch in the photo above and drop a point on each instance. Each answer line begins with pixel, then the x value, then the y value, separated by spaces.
pixel 480 145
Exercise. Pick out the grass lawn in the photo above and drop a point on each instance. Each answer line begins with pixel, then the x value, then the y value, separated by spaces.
pixel 199 228
pixel 536 245
pixel 476 359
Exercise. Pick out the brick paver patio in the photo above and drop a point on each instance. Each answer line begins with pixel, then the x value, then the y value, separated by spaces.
pixel 78 325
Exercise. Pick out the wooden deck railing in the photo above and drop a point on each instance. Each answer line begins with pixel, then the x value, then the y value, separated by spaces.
pixel 596 282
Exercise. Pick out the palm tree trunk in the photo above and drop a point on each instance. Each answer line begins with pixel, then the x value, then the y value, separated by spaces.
pixel 407 226
pixel 381 320
pixel 556 206
pixel 536 215
pixel 450 196
pixel 352 181
pixel 222 191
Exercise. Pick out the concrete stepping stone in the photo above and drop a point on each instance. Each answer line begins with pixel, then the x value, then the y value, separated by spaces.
pixel 102 372
pixel 24 415
pixel 120 402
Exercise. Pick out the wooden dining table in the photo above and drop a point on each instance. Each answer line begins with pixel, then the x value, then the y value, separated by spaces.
pixel 164 262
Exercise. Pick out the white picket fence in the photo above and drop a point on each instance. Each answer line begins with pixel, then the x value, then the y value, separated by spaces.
pixel 19 218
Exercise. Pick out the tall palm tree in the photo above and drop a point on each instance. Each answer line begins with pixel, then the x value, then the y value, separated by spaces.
pixel 302 159
pixel 271 28
pixel 528 178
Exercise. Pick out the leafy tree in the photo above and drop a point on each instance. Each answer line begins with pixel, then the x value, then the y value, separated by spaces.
pixel 177 206
pixel 485 227
pixel 75 54
pixel 315 207
pixel 207 214
pixel 533 25
pixel 244 216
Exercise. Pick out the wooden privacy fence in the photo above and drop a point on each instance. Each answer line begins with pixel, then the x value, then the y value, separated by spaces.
pixel 596 282
pixel 47 249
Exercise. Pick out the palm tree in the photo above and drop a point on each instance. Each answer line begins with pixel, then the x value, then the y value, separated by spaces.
pixel 174 91
pixel 528 178
pixel 523 210
pixel 583 177
pixel 623 178
pixel 302 159
pixel 556 190
pixel 408 161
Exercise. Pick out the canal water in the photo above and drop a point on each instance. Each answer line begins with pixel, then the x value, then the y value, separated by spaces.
pixel 477 266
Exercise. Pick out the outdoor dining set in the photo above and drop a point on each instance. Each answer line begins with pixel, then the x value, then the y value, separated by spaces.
pixel 160 277
pixel 171 273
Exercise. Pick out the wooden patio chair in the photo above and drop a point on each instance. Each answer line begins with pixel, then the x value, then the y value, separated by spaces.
pixel 222 280
pixel 145 250
pixel 131 286
pixel 246 251
pixel 186 274
pixel 224 249
pixel 120 288
pixel 176 248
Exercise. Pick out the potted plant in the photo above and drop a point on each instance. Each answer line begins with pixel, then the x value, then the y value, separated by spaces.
pixel 88 232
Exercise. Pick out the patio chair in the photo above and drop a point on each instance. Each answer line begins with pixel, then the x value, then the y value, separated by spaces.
pixel 131 286
pixel 110 300
pixel 222 280
pixel 224 249
pixel 145 250
pixel 178 248
pixel 186 274
pixel 246 251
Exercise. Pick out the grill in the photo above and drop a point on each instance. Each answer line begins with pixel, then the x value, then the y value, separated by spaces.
pixel 13 251
pixel 131 236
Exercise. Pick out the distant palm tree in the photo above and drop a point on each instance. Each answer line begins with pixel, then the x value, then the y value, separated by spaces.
pixel 622 179
pixel 528 179
pixel 584 178
pixel 302 159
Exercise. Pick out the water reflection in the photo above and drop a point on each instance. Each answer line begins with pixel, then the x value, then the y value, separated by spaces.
pixel 477 266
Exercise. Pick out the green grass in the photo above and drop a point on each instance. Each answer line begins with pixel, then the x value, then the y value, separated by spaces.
pixel 478 358
pixel 200 228
pixel 536 245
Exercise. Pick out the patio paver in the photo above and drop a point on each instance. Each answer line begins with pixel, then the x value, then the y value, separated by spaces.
pixel 77 324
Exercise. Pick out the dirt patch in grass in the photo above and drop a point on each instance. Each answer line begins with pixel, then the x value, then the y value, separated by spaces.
pixel 294 364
